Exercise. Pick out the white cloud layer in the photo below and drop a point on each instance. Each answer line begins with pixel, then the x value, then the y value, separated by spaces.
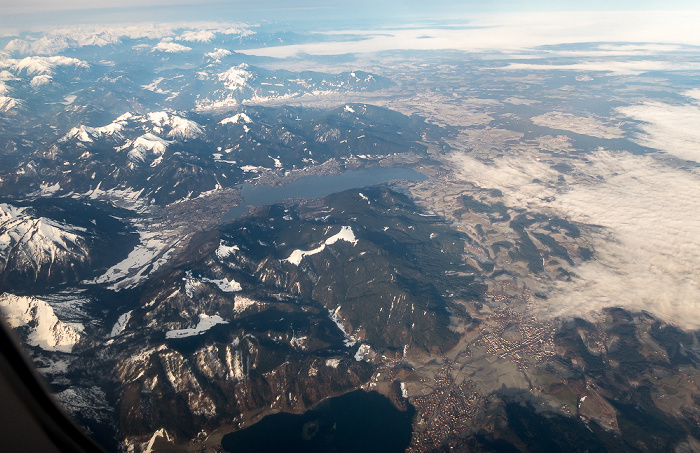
pixel 649 243
pixel 674 129
pixel 649 261
pixel 512 32
pixel 622 67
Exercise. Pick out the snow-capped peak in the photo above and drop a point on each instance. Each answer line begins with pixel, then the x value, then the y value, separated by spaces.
pixel 6 75
pixel 180 128
pixel 40 80
pixel 18 45
pixel 18 228
pixel 158 118
pixel 37 247
pixel 45 65
pixel 235 77
pixel 197 36
pixel 183 128
pixel 170 47
pixel 152 143
pixel 217 53
pixel 87 134
pixel 45 329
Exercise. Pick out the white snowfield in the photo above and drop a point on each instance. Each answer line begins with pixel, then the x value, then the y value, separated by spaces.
pixel 144 259
pixel 224 284
pixel 241 303
pixel 332 363
pixel 236 119
pixel 160 433
pixel 345 234
pixel 334 315
pixel 40 80
pixel 205 323
pixel 170 47
pixel 363 352
pixel 151 143
pixel 45 329
pixel 121 323
pixel 236 77
pixel 224 251
pixel 123 198
pixel 217 54
pixel 44 65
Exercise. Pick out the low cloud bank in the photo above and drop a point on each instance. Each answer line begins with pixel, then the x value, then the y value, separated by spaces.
pixel 649 243
pixel 669 128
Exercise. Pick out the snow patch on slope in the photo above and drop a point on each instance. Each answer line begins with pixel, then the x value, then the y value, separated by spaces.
pixel 363 352
pixel 335 317
pixel 123 198
pixel 7 103
pixel 144 259
pixel 121 323
pixel 205 323
pixel 236 119
pixel 88 402
pixel 345 234
pixel 332 363
pixel 170 47
pixel 224 284
pixel 160 433
pixel 242 303
pixel 224 251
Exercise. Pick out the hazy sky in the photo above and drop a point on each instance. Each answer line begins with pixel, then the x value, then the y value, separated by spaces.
pixel 33 13
pixel 14 6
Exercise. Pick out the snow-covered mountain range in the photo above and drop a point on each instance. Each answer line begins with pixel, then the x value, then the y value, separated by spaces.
pixel 166 156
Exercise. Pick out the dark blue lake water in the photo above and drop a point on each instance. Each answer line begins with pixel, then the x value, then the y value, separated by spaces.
pixel 360 421
pixel 320 186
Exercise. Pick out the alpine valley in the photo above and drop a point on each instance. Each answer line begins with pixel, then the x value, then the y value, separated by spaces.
pixel 465 243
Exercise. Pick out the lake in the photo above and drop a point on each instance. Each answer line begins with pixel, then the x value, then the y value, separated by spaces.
pixel 320 186
pixel 359 421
